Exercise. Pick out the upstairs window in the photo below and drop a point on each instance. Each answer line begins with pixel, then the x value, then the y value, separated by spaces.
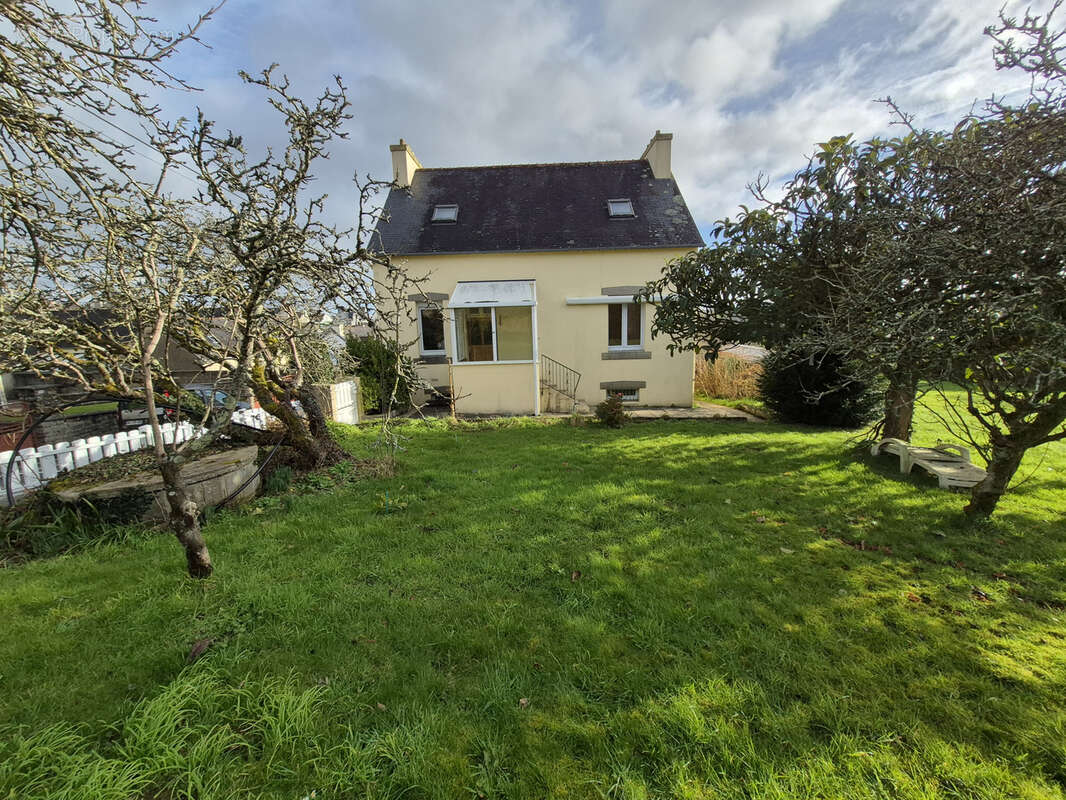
pixel 621 207
pixel 445 213
pixel 430 331
pixel 624 326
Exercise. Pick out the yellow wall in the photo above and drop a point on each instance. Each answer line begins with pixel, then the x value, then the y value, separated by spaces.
pixel 494 388
pixel 575 335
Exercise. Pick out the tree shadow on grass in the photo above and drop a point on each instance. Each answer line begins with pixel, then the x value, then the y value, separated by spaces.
pixel 678 606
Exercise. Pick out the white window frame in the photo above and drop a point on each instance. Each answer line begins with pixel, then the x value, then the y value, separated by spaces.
pixel 625 327
pixel 495 352
pixel 612 202
pixel 444 332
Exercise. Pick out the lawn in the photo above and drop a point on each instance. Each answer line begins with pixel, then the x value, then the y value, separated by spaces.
pixel 674 609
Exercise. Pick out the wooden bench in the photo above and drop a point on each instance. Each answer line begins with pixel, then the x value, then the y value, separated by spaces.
pixel 950 463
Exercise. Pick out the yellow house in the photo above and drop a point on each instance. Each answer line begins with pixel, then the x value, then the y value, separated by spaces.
pixel 532 271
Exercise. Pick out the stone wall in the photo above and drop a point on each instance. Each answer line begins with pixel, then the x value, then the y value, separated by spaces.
pixel 58 428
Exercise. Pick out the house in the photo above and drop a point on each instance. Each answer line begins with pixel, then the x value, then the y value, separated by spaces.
pixel 529 305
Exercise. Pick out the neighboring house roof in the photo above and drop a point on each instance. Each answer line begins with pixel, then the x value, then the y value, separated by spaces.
pixel 536 207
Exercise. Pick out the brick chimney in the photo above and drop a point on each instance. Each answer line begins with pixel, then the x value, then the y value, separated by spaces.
pixel 657 154
pixel 405 164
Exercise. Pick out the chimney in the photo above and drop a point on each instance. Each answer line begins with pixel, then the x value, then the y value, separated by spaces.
pixel 657 154
pixel 404 163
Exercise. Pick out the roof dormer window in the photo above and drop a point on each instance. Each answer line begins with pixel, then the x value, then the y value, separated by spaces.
pixel 445 213
pixel 621 207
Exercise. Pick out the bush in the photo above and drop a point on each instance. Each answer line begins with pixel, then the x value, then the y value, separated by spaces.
pixel 727 377
pixel 277 482
pixel 815 390
pixel 380 367
pixel 611 412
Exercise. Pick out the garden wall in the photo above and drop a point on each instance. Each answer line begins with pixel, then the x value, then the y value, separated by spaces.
pixel 35 466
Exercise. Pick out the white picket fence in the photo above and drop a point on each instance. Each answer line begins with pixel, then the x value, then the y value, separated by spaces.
pixel 35 466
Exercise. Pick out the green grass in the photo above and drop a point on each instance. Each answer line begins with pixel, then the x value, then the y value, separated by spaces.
pixel 753 405
pixel 73 411
pixel 526 610
pixel 89 408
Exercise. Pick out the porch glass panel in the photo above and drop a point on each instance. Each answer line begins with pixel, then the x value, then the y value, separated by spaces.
pixel 514 334
pixel 473 331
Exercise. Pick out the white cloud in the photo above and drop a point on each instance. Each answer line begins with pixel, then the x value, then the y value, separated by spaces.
pixel 746 88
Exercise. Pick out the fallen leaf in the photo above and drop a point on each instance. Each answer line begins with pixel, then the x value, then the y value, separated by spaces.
pixel 913 597
pixel 979 594
pixel 575 575
pixel 523 702
pixel 760 519
pixel 786 551
pixel 381 706
pixel 198 649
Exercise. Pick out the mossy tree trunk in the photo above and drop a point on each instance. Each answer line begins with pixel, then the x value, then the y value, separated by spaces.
pixel 185 521
pixel 899 407
pixel 183 514
pixel 1006 458
pixel 310 438
pixel 1023 432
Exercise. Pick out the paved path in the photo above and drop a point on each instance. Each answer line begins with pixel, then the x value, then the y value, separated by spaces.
pixel 701 411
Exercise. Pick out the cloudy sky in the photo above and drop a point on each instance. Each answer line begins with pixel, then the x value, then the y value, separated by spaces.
pixel 745 87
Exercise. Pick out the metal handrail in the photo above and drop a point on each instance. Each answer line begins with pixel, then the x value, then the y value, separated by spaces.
pixel 558 376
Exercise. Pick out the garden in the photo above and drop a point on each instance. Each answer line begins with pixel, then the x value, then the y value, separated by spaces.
pixel 528 609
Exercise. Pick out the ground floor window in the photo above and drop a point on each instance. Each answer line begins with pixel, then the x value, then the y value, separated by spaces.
pixel 431 331
pixel 496 333
pixel 624 326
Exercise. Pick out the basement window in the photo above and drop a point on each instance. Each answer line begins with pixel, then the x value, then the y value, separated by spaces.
pixel 627 395
pixel 622 207
pixel 445 213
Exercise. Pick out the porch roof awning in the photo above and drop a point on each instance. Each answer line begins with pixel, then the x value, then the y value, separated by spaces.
pixel 470 294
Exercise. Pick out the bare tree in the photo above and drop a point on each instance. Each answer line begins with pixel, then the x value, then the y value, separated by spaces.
pixel 290 264
pixel 95 261
pixel 68 86
pixel 102 322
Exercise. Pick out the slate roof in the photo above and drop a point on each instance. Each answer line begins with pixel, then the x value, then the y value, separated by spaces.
pixel 536 207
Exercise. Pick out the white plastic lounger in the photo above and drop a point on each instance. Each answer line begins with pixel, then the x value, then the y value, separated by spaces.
pixel 950 463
